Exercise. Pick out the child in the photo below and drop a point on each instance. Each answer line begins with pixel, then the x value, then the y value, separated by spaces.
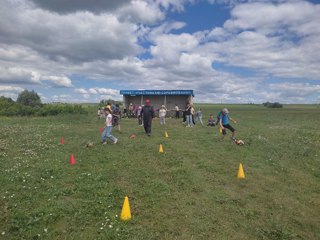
pixel 199 116
pixel 139 116
pixel 116 117
pixel 162 115
pixel 108 129
pixel 224 123
pixel 211 121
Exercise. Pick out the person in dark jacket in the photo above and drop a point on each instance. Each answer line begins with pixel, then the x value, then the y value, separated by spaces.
pixel 147 114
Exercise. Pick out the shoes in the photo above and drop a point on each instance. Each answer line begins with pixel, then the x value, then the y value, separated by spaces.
pixel 104 143
pixel 115 142
pixel 233 139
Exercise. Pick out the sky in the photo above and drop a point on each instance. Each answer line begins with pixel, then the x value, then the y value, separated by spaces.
pixel 226 51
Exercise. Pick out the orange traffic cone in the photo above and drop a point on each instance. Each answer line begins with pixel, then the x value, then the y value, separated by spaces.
pixel 62 141
pixel 125 212
pixel 101 130
pixel 72 160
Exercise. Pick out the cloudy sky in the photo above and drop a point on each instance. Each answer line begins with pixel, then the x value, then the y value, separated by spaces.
pixel 230 51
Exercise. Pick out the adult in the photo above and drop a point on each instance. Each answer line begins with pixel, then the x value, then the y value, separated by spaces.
pixel 162 114
pixel 189 122
pixel 147 114
pixel 224 124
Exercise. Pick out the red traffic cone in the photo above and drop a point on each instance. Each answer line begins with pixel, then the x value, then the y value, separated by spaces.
pixel 72 160
pixel 62 141
pixel 101 130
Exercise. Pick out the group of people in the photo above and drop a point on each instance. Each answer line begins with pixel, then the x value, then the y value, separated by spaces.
pixel 191 117
pixel 146 113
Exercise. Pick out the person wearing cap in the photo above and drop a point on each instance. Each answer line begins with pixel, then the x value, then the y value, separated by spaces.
pixel 147 114
pixel 162 115
pixel 224 123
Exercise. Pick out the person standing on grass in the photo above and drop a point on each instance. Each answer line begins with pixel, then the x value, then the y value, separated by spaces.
pixel 177 111
pixel 108 129
pixel 147 114
pixel 139 116
pixel 162 115
pixel 199 116
pixel 116 116
pixel 189 122
pixel 224 123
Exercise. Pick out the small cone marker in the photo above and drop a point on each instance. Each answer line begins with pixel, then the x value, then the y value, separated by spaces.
pixel 125 212
pixel 72 160
pixel 62 141
pixel 160 149
pixel 166 134
pixel 101 130
pixel 241 172
pixel 220 130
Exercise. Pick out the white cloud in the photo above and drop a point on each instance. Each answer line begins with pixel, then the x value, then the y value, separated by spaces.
pixel 18 75
pixel 58 81
pixel 288 89
pixel 81 91
pixel 11 89
pixel 78 37
pixel 145 12
pixel 278 39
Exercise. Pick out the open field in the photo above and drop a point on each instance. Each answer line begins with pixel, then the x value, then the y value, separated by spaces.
pixel 188 192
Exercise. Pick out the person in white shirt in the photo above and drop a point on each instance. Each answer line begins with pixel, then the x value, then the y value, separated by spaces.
pixel 162 114
pixel 108 129
pixel 177 111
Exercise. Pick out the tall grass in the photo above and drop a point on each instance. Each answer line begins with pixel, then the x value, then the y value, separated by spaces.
pixel 188 192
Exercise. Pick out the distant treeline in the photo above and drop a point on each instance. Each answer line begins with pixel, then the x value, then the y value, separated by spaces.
pixel 29 104
pixel 272 105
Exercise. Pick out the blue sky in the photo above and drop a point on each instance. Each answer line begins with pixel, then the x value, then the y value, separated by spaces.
pixel 231 51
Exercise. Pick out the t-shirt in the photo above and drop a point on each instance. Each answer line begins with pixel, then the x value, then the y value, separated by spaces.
pixel 147 112
pixel 177 108
pixel 162 112
pixel 225 119
pixel 109 120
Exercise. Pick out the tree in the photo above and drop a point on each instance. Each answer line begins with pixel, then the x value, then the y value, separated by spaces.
pixel 29 98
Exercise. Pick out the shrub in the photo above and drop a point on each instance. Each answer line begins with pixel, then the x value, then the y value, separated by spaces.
pixel 272 105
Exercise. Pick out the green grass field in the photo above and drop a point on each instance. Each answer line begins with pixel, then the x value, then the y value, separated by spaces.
pixel 190 191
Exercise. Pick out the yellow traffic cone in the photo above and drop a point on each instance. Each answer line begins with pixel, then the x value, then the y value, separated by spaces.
pixel 166 134
pixel 160 149
pixel 241 172
pixel 125 213
pixel 220 130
